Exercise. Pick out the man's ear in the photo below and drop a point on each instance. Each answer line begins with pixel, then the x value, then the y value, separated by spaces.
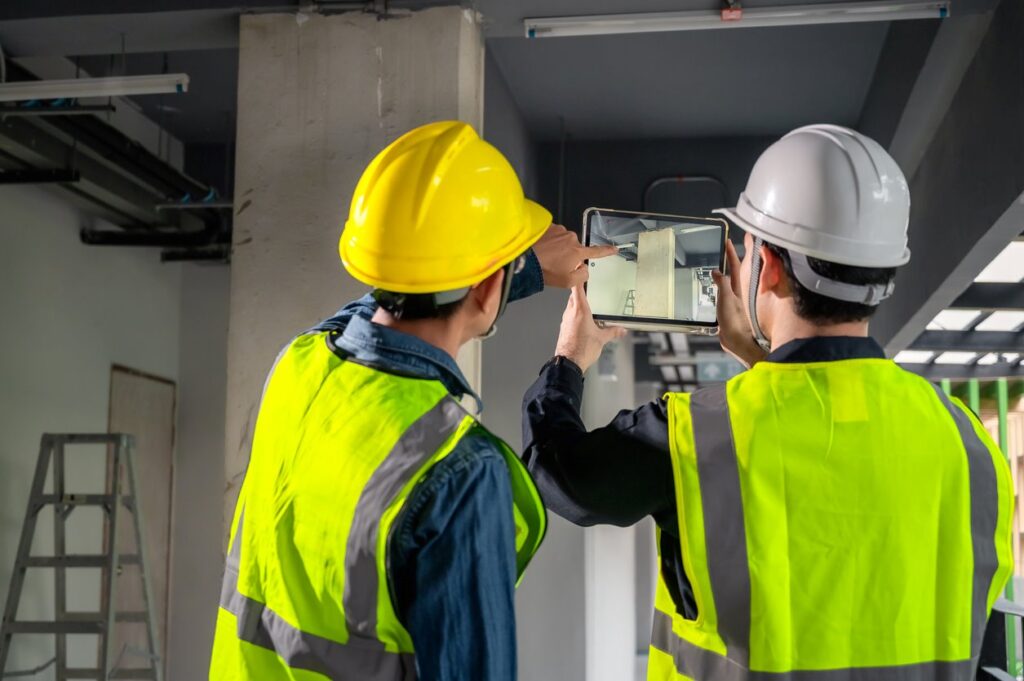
pixel 483 291
pixel 773 273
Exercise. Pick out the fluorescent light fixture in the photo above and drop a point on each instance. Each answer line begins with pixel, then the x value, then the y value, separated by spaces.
pixel 1002 320
pixel 914 356
pixel 786 15
pixel 1011 356
pixel 955 357
pixel 660 341
pixel 953 320
pixel 680 343
pixel 84 88
pixel 990 358
pixel 1007 267
pixel 668 374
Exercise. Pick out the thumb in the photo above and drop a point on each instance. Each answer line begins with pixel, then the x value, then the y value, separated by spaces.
pixel 724 284
pixel 610 333
pixel 578 276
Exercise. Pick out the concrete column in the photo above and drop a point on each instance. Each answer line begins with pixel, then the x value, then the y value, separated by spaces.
pixel 318 97
pixel 655 274
pixel 609 567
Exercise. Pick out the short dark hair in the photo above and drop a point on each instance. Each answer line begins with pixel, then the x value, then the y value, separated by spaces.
pixel 820 309
pixel 416 306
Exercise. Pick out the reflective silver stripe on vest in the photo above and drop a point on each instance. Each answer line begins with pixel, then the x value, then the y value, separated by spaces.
pixel 725 534
pixel 356 660
pixel 984 517
pixel 704 665
pixel 416 445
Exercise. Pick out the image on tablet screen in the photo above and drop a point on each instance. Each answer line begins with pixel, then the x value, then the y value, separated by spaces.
pixel 662 270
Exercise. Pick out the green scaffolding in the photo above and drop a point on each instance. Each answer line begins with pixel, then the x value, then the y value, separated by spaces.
pixel 1002 392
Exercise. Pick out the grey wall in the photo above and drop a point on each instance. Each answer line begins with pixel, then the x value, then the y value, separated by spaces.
pixel 550 603
pixel 197 557
pixel 69 312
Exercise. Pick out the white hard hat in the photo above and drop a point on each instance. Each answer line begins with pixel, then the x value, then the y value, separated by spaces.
pixel 830 193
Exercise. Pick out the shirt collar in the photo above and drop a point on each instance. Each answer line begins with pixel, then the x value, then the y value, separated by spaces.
pixel 827 349
pixel 396 352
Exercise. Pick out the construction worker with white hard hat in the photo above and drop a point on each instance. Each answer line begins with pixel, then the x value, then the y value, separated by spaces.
pixel 824 514
pixel 381 529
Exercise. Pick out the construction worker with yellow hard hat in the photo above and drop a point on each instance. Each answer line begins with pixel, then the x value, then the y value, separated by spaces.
pixel 381 529
pixel 825 514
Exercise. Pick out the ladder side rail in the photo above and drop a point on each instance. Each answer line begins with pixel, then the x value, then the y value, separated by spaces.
pixel 156 660
pixel 110 569
pixel 60 602
pixel 28 529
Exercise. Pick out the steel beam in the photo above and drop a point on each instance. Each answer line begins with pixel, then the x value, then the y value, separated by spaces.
pixel 971 341
pixel 38 176
pixel 960 220
pixel 991 296
pixel 959 372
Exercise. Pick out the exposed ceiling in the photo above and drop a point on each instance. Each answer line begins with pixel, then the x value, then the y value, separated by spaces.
pixel 760 81
pixel 203 115
pixel 731 82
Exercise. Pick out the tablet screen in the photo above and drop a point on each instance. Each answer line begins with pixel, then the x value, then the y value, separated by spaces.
pixel 662 271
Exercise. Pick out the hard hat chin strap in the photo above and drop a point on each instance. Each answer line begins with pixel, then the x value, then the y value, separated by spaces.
pixel 755 279
pixel 506 289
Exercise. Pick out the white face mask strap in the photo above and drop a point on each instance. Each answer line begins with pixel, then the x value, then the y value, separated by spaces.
pixel 755 277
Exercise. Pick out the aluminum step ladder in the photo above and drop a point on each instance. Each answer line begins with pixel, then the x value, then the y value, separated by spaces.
pixel 121 494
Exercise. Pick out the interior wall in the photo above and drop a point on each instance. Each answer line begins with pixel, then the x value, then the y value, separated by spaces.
pixel 69 311
pixel 550 603
pixel 197 556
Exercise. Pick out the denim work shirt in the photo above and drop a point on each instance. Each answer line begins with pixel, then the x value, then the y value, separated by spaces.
pixel 451 554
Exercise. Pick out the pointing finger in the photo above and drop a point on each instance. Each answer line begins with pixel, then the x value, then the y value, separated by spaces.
pixel 593 252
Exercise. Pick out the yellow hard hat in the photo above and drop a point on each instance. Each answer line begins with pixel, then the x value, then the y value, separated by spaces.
pixel 438 209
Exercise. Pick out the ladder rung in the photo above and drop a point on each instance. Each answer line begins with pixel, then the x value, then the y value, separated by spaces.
pixel 79 561
pixel 83 673
pixel 142 673
pixel 97 617
pixel 86 673
pixel 69 626
pixel 77 499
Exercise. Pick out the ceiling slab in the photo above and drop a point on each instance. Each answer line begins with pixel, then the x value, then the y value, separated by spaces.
pixel 691 84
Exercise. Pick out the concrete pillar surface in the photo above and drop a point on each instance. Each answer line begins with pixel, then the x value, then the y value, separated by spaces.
pixel 318 97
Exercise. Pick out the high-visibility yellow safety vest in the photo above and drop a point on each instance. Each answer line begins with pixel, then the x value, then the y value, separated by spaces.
pixel 338 447
pixel 841 521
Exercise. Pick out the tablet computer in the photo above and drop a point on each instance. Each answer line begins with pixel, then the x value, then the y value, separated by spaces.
pixel 660 280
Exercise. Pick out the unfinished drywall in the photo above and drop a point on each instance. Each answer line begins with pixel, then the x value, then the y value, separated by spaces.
pixel 550 602
pixel 197 554
pixel 69 312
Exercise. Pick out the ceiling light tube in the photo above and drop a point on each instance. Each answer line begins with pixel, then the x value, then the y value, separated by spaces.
pixel 786 15
pixel 83 88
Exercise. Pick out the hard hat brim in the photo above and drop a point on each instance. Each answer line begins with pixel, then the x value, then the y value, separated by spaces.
pixel 537 219
pixel 733 215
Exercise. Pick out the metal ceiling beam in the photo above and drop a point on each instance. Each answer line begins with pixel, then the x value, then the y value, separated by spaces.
pixel 970 341
pixel 961 221
pixel 991 297
pixel 935 372
pixel 36 176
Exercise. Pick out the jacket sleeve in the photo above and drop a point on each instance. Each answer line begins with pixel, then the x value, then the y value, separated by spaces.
pixel 615 475
pixel 452 567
